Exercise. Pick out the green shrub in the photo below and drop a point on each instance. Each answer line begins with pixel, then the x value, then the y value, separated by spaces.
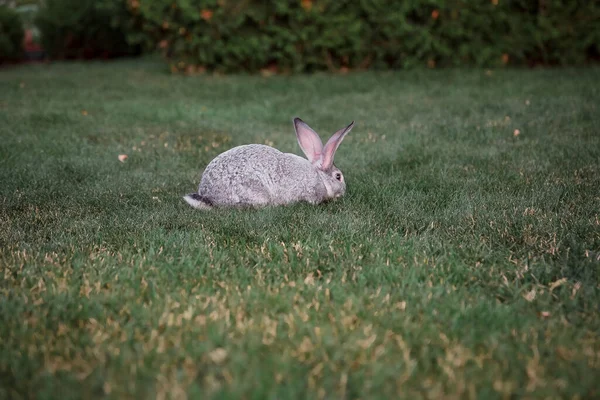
pixel 11 35
pixel 308 35
pixel 83 29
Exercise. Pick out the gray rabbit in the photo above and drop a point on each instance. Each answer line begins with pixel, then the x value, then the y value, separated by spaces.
pixel 257 175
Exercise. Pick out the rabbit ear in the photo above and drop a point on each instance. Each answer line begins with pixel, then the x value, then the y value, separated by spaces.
pixel 309 141
pixel 332 145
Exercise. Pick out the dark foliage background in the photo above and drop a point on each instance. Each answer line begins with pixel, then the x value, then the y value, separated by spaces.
pixel 332 34
pixel 311 35
pixel 11 34
pixel 83 29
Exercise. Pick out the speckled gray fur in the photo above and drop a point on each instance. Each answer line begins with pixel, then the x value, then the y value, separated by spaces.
pixel 257 175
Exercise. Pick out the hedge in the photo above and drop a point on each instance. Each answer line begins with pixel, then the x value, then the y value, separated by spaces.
pixel 11 35
pixel 84 28
pixel 309 35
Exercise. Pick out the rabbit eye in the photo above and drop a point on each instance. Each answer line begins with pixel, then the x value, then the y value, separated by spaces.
pixel 338 176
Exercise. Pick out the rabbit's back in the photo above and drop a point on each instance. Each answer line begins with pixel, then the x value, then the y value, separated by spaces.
pixel 257 174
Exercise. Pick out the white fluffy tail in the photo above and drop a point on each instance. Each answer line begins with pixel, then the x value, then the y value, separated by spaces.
pixel 197 201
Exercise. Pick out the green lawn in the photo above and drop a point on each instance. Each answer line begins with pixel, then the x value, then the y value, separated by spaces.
pixel 463 262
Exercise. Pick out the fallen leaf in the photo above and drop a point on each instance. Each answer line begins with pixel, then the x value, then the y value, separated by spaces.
pixel 267 72
pixel 122 157
pixel 575 289
pixel 306 346
pixel 367 342
pixel 558 283
pixel 218 355
pixel 62 329
pixel 84 112
pixel 530 296
pixel 309 280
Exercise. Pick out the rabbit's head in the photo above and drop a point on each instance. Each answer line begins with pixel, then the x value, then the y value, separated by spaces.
pixel 321 157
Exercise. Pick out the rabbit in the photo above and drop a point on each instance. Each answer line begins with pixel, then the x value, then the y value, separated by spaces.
pixel 256 175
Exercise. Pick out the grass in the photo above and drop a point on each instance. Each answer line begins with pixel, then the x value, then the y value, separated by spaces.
pixel 463 262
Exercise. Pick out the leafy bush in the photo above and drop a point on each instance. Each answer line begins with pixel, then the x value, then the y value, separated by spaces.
pixel 83 29
pixel 309 35
pixel 11 35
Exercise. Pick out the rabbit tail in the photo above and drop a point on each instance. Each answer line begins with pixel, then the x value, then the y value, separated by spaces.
pixel 197 201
